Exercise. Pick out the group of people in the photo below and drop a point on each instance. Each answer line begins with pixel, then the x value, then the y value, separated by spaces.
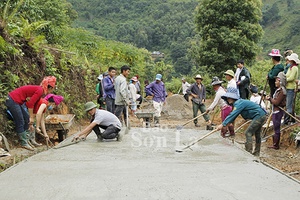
pixel 27 106
pixel 283 83
pixel 117 95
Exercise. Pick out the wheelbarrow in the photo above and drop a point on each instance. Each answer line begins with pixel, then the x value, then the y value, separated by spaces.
pixel 60 123
pixel 147 116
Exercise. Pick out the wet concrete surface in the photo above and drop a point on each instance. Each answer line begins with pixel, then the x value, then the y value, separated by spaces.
pixel 145 166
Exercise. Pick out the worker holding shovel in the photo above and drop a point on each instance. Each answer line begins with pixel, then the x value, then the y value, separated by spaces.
pixel 100 119
pixel 248 110
pixel 225 108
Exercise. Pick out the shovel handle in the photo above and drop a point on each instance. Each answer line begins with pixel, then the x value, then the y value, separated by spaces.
pixel 289 114
pixel 193 119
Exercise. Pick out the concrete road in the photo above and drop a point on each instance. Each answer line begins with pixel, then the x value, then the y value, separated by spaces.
pixel 145 166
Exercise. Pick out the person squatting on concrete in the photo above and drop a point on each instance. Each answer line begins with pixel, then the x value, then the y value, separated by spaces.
pixel 27 96
pixel 198 92
pixel 157 90
pixel 185 85
pixel 278 67
pixel 291 86
pixel 122 93
pixel 225 108
pixel 278 99
pixel 100 119
pixel 242 77
pixel 248 110
pixel 109 90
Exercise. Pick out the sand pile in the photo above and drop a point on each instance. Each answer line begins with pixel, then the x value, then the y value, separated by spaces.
pixel 177 108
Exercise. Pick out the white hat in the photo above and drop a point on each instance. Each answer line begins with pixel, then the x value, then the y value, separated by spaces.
pixel 198 77
pixel 294 57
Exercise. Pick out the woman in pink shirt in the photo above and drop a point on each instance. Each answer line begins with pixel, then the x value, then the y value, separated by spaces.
pixel 27 96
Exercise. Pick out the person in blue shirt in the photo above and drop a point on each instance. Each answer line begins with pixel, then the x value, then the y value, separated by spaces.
pixel 109 89
pixel 248 110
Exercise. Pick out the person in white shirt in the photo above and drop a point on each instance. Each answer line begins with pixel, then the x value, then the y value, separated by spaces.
pixel 185 85
pixel 229 75
pixel 225 108
pixel 255 97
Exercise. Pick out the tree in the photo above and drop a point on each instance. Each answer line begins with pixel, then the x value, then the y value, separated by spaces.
pixel 228 31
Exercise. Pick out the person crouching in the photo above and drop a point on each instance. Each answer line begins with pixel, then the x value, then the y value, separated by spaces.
pixel 100 119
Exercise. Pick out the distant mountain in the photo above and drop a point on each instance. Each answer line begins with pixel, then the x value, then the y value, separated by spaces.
pixel 168 25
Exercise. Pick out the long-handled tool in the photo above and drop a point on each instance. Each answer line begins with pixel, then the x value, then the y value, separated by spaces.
pixel 127 120
pixel 290 115
pixel 268 125
pixel 196 141
pixel 265 87
pixel 179 127
pixel 68 143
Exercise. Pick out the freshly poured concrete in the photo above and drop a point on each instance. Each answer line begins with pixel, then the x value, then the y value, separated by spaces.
pixel 145 166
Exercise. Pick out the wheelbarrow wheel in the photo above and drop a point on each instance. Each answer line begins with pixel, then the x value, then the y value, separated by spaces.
pixel 62 134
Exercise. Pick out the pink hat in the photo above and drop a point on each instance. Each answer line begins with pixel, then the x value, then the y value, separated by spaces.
pixel 275 52
pixel 134 79
pixel 57 98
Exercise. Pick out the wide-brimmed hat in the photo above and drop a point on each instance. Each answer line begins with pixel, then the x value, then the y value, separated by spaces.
pixel 229 72
pixel 294 57
pixel 89 106
pixel 275 52
pixel 158 77
pixel 216 81
pixel 231 93
pixel 198 76
pixel 134 79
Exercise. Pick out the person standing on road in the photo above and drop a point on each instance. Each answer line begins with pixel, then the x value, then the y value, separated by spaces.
pixel 109 90
pixel 100 119
pixel 100 91
pixel 185 85
pixel 278 100
pixel 198 92
pixel 278 67
pixel 225 108
pixel 157 90
pixel 248 110
pixel 242 77
pixel 122 93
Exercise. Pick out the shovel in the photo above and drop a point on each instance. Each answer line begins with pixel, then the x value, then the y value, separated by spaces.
pixel 196 141
pixel 179 127
pixel 127 120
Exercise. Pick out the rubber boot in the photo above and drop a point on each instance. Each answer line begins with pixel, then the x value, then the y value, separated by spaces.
pixel 156 121
pixel 248 147
pixel 256 151
pixel 31 137
pixel 286 119
pixel 24 141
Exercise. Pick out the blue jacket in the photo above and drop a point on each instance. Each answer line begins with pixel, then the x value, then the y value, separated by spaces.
pixel 108 87
pixel 248 110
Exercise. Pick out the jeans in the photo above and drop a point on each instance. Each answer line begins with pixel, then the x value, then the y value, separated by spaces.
pixel 110 132
pixel 19 113
pixel 202 108
pixel 289 100
pixel 110 104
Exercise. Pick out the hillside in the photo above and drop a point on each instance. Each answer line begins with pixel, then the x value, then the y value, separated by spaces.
pixel 168 25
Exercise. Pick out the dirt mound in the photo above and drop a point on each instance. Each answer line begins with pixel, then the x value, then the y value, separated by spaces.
pixel 177 107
